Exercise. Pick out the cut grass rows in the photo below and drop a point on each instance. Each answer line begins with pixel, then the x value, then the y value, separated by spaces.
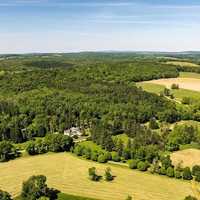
pixel 69 174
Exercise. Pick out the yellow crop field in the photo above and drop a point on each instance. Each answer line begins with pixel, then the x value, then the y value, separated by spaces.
pixel 70 175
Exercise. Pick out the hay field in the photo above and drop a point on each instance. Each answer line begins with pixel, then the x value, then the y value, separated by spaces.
pixel 184 83
pixel 70 175
pixel 189 157
pixel 182 63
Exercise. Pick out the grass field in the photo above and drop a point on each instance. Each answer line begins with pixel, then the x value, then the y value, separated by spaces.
pixel 69 174
pixel 189 157
pixel 178 94
pixel 182 63
pixel 189 75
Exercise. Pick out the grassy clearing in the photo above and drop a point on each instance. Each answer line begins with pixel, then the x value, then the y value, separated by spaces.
pixel 69 174
pixel 178 94
pixel 188 157
pixel 182 63
pixel 189 75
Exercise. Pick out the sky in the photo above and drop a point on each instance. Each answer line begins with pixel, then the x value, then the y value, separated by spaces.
pixel 33 26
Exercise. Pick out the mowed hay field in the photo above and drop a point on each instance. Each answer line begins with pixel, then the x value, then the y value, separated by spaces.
pixel 70 175
pixel 182 63
pixel 188 157
pixel 184 83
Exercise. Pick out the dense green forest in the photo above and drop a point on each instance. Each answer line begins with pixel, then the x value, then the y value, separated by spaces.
pixel 48 93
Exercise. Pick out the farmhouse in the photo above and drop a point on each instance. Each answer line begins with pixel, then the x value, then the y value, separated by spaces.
pixel 74 131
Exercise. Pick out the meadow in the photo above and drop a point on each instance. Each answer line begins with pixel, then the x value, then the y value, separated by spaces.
pixel 69 174
pixel 182 63
pixel 188 157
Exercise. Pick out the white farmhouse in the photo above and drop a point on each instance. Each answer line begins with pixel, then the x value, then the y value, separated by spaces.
pixel 74 131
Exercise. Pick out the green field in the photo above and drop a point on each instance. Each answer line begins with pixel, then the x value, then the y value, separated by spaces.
pixel 69 174
pixel 178 94
pixel 189 75
pixel 182 63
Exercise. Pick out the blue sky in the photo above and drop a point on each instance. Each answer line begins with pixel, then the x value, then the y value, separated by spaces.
pixel 95 25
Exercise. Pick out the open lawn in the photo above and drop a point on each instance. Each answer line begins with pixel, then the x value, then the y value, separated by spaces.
pixel 182 63
pixel 189 157
pixel 69 174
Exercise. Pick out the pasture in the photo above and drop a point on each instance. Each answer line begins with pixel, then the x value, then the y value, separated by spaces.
pixel 182 63
pixel 69 174
pixel 184 83
pixel 188 157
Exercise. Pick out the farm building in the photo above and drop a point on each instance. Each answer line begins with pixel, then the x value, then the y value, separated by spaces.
pixel 74 131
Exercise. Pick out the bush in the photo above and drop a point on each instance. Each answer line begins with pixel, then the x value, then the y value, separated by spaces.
pixel 170 172
pixel 174 86
pixel 153 124
pixel 190 198
pixel 116 157
pixel 162 171
pixel 5 195
pixel 133 164
pixel 187 175
pixel 195 170
pixel 178 174
pixel 142 166
pixel 7 151
pixel 102 158
pixel 108 175
pixel 92 174
pixel 94 156
pixel 186 100
pixel 78 150
pixel 197 176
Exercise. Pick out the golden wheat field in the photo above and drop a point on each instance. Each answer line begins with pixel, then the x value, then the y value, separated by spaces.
pixel 184 83
pixel 188 157
pixel 70 175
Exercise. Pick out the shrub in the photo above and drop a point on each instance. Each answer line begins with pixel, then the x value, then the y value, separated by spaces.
pixel 129 198
pixel 78 150
pixel 5 195
pixel 170 172
pixel 133 164
pixel 178 174
pixel 94 156
pixel 174 86
pixel 186 100
pixel 187 175
pixel 195 170
pixel 153 124
pixel 92 174
pixel 190 198
pixel 108 175
pixel 142 166
pixel 162 171
pixel 102 158
pixel 197 176
pixel 116 157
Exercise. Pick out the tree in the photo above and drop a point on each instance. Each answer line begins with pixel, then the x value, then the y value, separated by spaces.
pixel 92 174
pixel 187 175
pixel 142 166
pixel 190 198
pixel 133 164
pixel 35 187
pixel 170 172
pixel 5 195
pixel 195 170
pixel 129 198
pixel 108 176
pixel 153 124
pixel 166 161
